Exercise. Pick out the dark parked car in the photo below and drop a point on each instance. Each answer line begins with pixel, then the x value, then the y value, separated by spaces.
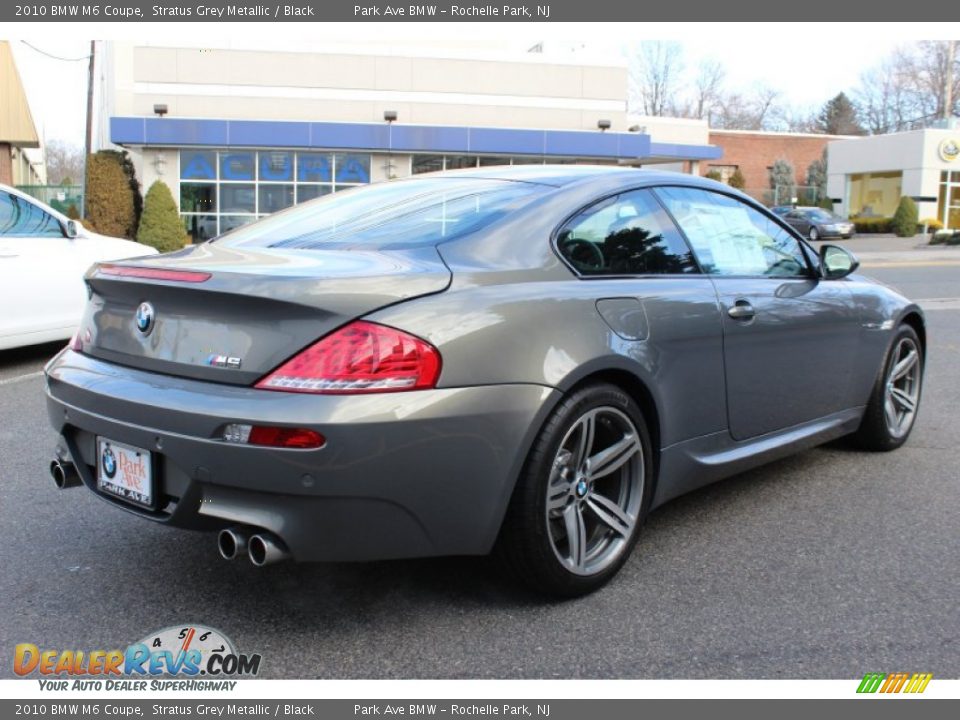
pixel 816 223
pixel 523 360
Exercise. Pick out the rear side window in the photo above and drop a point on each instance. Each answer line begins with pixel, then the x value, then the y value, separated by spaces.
pixel 732 238
pixel 19 218
pixel 628 234
pixel 397 215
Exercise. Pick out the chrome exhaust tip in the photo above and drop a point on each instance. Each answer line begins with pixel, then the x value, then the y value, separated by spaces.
pixel 265 549
pixel 64 474
pixel 232 542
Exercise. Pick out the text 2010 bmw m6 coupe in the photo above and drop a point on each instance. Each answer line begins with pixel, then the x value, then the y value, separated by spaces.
pixel 522 360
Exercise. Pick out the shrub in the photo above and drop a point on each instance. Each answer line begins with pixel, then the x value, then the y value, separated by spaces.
pixel 72 212
pixel 160 224
pixel 906 217
pixel 714 175
pixel 110 203
pixel 932 224
pixel 826 203
pixel 737 180
pixel 872 224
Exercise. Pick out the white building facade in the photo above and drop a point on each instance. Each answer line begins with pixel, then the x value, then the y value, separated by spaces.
pixel 869 175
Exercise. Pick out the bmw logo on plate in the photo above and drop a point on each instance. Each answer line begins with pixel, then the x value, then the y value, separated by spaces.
pixel 144 318
pixel 109 462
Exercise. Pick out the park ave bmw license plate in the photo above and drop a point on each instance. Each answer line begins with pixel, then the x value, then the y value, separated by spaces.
pixel 125 472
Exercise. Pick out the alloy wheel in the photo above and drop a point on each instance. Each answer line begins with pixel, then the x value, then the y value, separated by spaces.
pixel 595 491
pixel 902 392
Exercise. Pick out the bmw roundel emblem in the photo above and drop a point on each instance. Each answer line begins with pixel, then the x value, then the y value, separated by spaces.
pixel 109 462
pixel 144 318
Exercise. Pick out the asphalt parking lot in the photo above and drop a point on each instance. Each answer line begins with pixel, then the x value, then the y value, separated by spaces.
pixel 828 564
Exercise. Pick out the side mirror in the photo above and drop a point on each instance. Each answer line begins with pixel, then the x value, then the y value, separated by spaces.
pixel 71 229
pixel 837 262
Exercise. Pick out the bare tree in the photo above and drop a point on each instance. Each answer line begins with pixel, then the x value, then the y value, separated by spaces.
pixel 654 77
pixel 757 110
pixel 908 89
pixel 708 89
pixel 64 163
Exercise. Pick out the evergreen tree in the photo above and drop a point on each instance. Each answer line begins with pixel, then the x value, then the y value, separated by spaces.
pixel 782 181
pixel 160 224
pixel 109 197
pixel 839 117
pixel 737 180
pixel 906 218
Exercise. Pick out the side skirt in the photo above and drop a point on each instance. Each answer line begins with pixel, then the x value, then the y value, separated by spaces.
pixel 703 460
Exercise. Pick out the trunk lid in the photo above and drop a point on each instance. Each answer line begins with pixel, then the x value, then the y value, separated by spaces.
pixel 257 308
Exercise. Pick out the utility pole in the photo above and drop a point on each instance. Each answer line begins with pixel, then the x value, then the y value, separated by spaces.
pixel 89 139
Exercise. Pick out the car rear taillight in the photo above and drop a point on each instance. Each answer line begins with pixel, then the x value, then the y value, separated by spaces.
pixel 361 357
pixel 271 436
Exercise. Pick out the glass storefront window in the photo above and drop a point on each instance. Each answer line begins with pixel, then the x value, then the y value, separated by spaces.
pixel 948 200
pixel 238 198
pixel 221 190
pixel 309 192
pixel 198 197
pixel 275 197
pixel 874 194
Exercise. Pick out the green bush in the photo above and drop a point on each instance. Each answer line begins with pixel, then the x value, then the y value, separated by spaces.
pixel 110 200
pixel 714 175
pixel 160 224
pixel 72 212
pixel 826 203
pixel 737 180
pixel 873 224
pixel 906 217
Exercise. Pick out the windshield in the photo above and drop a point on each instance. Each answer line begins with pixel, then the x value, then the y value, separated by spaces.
pixel 394 215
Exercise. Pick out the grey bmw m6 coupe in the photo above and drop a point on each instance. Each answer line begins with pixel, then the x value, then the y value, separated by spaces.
pixel 520 360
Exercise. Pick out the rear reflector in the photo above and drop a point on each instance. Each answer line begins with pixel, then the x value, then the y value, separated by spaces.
pixel 267 436
pixel 361 357
pixel 186 276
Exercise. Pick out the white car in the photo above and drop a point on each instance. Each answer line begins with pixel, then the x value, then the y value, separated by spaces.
pixel 43 256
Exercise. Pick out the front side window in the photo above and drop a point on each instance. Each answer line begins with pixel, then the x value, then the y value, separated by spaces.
pixel 20 218
pixel 628 234
pixel 730 237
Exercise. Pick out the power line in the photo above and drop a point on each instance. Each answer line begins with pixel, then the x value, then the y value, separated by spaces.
pixel 55 57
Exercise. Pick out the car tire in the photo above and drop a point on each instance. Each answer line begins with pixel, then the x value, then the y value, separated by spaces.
pixel 814 234
pixel 892 409
pixel 564 485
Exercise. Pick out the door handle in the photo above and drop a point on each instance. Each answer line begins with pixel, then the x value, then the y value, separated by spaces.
pixel 742 310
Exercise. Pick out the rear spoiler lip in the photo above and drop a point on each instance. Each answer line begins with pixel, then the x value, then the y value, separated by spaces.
pixel 151 273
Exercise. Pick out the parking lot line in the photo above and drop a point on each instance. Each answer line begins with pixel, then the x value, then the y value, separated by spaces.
pixel 21 378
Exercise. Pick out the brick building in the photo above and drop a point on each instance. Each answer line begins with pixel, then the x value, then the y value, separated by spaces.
pixel 754 152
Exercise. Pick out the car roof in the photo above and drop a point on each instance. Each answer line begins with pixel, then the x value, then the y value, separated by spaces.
pixel 561 175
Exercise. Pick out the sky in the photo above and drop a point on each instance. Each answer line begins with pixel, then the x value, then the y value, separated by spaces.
pixel 807 62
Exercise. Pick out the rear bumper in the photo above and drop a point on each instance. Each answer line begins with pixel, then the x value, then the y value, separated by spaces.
pixel 401 474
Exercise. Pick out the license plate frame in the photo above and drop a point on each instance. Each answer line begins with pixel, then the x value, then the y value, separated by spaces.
pixel 126 473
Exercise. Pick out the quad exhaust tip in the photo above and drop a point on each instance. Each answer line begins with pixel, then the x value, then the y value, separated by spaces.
pixel 232 542
pixel 260 546
pixel 265 549
pixel 64 474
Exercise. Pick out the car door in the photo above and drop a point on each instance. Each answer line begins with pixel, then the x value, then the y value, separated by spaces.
pixel 40 269
pixel 790 337
pixel 661 310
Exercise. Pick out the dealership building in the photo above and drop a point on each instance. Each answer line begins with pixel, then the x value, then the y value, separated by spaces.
pixel 867 176
pixel 238 134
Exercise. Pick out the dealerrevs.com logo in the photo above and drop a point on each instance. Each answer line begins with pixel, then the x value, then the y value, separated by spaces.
pixel 899 682
pixel 188 657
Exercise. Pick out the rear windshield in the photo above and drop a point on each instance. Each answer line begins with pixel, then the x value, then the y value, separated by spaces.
pixel 393 215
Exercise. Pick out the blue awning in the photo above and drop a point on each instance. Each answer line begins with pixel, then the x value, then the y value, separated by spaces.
pixel 383 137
